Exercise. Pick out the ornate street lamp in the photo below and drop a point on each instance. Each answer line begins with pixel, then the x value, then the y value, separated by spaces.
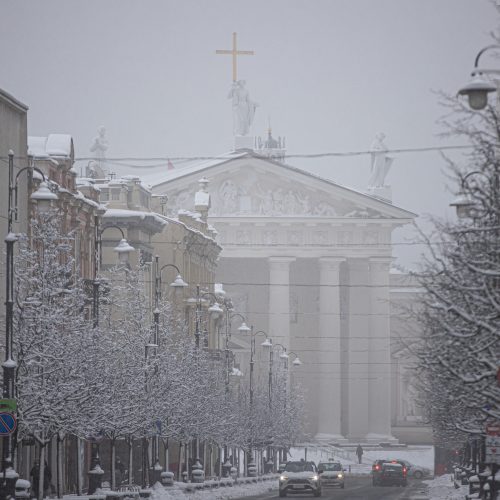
pixel 478 88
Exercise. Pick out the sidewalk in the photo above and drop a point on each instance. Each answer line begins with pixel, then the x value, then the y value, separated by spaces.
pixel 443 488
pixel 236 490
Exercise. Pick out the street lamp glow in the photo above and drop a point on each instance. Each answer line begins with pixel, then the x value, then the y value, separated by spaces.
pixel 296 362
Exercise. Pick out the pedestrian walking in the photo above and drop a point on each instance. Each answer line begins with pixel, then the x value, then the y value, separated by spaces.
pixel 359 452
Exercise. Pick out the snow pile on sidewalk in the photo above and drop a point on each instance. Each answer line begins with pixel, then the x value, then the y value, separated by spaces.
pixel 227 492
pixel 442 488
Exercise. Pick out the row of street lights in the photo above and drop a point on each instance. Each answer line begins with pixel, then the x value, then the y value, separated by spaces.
pixel 44 197
pixel 477 91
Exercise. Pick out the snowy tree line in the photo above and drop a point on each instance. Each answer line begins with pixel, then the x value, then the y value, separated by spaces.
pixel 459 351
pixel 73 373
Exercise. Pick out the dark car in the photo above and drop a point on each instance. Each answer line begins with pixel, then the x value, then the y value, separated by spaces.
pixel 300 477
pixel 389 473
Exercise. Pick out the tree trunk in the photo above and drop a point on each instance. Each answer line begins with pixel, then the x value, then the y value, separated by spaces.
pixel 167 458
pixel 130 460
pixel 179 463
pixel 112 444
pixel 79 466
pixel 41 458
pixel 59 474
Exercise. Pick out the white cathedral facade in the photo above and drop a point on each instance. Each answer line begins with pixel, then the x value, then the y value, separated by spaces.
pixel 309 262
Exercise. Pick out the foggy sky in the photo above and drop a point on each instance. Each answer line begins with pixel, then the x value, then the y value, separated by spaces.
pixel 328 74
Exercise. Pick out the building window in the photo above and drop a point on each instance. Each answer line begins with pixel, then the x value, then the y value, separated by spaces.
pixel 115 194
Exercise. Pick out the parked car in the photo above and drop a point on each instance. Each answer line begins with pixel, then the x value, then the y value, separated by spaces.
pixel 389 472
pixel 300 477
pixel 416 471
pixel 332 473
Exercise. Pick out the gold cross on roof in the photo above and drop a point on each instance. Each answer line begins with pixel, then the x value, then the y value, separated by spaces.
pixel 235 53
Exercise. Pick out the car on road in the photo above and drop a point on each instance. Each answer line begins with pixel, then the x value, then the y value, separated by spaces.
pixel 416 471
pixel 300 477
pixel 331 473
pixel 387 472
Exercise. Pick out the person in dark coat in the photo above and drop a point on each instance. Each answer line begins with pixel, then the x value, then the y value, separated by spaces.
pixel 359 452
pixel 47 479
pixel 35 478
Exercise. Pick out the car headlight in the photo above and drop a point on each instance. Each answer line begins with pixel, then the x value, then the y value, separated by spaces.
pixel 340 476
pixel 315 477
pixel 283 478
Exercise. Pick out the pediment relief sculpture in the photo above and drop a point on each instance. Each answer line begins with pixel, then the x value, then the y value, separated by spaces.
pixel 247 194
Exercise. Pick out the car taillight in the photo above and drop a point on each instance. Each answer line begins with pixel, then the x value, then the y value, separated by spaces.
pixel 404 470
pixel 376 467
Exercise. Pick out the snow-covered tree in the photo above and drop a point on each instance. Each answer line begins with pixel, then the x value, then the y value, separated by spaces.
pixel 51 335
pixel 460 312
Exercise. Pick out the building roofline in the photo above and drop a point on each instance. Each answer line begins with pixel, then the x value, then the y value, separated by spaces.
pixel 13 101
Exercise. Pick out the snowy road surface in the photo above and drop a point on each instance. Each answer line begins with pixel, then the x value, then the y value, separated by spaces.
pixel 360 488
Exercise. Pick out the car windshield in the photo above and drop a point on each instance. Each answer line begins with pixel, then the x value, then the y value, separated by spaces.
pixel 299 467
pixel 392 466
pixel 330 466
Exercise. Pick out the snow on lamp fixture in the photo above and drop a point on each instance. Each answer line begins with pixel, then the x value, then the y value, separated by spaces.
pixel 477 91
pixel 478 88
pixel 123 250
pixel 43 197
pixel 243 328
pixel 178 282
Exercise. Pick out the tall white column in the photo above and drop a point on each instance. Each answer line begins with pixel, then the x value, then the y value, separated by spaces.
pixel 279 299
pixel 329 355
pixel 357 357
pixel 379 426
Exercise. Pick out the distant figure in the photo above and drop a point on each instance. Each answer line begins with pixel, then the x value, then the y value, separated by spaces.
pixel 359 452
pixel 35 478
pixel 100 146
pixel 243 108
pixel 380 162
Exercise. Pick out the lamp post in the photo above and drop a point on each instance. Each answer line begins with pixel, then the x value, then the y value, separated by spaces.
pixel 43 197
pixel 123 250
pixel 253 336
pixel 243 328
pixel 215 310
pixel 177 284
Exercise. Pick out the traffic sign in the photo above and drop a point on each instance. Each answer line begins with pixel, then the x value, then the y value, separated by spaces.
pixel 493 429
pixel 9 405
pixel 492 444
pixel 8 423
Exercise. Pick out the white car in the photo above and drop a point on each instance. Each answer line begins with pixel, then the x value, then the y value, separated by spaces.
pixel 332 473
pixel 416 471
pixel 300 477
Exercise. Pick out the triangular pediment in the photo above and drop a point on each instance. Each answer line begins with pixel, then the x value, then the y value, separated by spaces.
pixel 252 186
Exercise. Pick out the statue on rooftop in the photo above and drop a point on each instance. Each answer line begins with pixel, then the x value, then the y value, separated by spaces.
pixel 243 108
pixel 380 162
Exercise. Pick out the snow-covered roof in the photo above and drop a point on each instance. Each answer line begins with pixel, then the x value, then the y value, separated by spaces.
pixel 56 145
pixel 123 213
pixel 36 146
pixel 59 145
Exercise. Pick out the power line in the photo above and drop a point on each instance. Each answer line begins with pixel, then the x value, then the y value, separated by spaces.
pixel 226 157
